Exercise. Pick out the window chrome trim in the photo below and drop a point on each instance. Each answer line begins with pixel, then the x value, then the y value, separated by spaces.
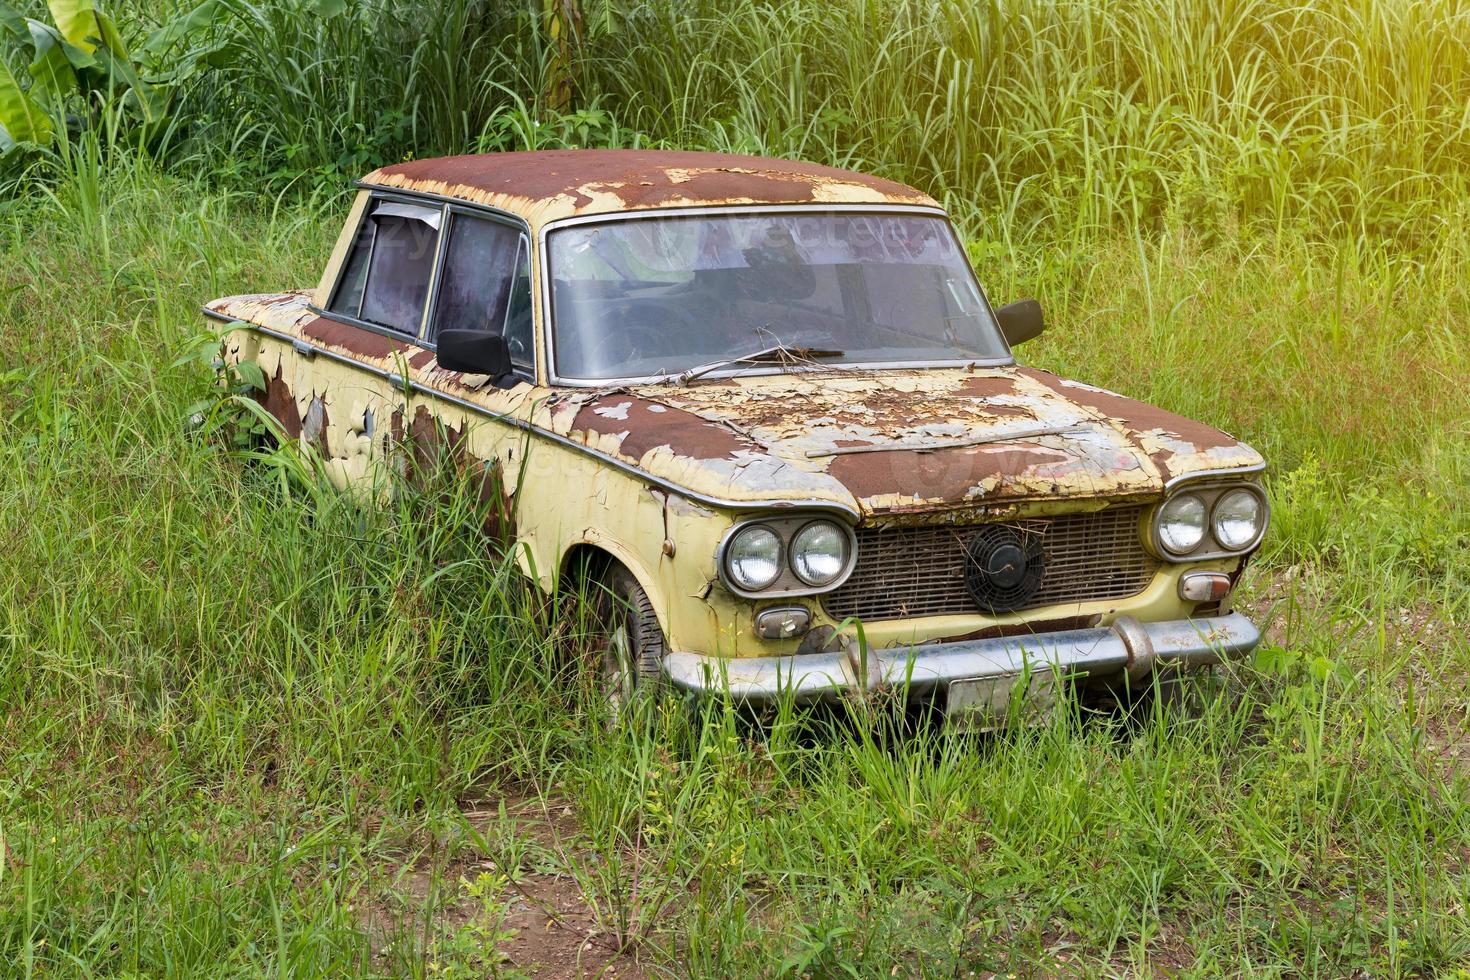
pixel 778 506
pixel 368 213
pixel 1225 473
pixel 548 327
pixel 364 221
pixel 436 271
pixel 389 190
pixel 523 257
pixel 453 211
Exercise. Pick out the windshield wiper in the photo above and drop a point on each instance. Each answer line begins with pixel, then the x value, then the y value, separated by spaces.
pixel 775 354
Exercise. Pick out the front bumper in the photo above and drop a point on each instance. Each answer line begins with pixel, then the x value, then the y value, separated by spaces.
pixel 1126 647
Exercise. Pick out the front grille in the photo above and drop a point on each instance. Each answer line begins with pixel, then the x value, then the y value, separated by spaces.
pixel 920 571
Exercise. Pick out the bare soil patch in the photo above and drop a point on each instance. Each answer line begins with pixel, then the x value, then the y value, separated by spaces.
pixel 543 926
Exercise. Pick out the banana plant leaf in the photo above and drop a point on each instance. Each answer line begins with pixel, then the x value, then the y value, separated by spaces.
pixel 84 24
pixel 139 93
pixel 21 116
pixel 54 63
pixel 11 21
pixel 204 16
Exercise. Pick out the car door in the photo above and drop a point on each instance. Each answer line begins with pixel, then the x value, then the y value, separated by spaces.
pixel 483 283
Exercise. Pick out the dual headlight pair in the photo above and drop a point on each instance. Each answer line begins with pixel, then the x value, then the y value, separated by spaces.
pixel 1235 518
pixel 796 555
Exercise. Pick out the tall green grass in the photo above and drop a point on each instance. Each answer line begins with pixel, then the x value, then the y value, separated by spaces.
pixel 1054 120
pixel 250 727
pixel 1051 121
pixel 243 716
pixel 1343 121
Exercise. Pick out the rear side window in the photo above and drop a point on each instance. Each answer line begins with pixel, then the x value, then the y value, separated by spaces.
pixel 385 280
pixel 349 291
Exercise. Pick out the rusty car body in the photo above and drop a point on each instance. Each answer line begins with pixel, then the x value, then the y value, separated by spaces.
pixel 965 519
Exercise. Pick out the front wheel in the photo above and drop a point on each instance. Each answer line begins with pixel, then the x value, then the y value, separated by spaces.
pixel 626 638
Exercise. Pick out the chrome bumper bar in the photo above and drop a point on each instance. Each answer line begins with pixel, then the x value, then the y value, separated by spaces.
pixel 1126 647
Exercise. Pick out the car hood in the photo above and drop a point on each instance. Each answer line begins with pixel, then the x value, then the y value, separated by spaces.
pixel 883 442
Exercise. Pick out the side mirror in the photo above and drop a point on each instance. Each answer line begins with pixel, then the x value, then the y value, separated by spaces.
pixel 1020 321
pixel 474 352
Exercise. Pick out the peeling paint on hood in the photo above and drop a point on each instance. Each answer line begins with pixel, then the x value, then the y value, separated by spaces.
pixel 933 439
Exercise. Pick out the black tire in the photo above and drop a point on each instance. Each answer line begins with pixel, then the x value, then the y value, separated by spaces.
pixel 630 643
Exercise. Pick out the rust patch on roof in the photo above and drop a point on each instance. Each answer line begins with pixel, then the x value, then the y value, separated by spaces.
pixel 542 185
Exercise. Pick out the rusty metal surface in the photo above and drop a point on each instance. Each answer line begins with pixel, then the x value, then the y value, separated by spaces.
pixel 545 185
pixel 1177 446
pixel 276 399
pixel 655 475
pixel 745 437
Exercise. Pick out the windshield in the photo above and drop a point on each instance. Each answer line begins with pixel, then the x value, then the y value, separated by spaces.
pixel 645 297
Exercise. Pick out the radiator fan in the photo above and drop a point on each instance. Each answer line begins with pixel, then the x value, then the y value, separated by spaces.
pixel 1003 567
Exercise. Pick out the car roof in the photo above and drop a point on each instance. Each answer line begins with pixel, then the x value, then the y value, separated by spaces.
pixel 546 185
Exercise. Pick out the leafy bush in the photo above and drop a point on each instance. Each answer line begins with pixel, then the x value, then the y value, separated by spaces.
pixel 83 76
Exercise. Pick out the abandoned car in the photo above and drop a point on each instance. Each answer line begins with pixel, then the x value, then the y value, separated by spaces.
pixel 768 407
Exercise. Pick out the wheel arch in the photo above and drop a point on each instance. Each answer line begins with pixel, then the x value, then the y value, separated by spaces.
pixel 594 550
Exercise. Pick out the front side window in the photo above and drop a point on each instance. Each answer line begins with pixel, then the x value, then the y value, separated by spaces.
pixel 385 279
pixel 486 284
pixel 654 296
pixel 519 322
pixel 479 268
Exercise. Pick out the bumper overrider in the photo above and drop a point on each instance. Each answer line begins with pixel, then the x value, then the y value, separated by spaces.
pixel 1127 647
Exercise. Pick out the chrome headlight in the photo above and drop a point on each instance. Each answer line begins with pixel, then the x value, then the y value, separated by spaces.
pixel 753 557
pixel 1181 523
pixel 819 553
pixel 786 555
pixel 1238 519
